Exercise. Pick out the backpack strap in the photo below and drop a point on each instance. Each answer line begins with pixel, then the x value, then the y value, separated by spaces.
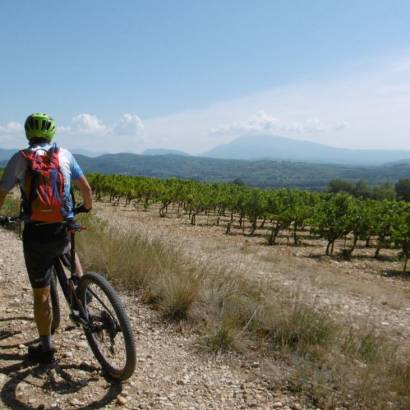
pixel 54 148
pixel 28 191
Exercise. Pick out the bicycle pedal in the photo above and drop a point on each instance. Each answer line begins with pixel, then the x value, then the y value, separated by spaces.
pixel 75 317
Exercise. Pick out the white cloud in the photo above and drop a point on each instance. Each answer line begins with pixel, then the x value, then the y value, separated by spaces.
pixel 129 124
pixel 366 106
pixel 12 127
pixel 12 135
pixel 87 124
pixel 263 123
pixel 86 131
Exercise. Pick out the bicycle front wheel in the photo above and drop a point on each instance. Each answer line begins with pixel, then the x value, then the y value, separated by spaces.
pixel 109 331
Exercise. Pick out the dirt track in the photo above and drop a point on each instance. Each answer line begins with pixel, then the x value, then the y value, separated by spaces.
pixel 170 374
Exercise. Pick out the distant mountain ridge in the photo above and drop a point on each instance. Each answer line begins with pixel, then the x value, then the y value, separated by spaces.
pixel 264 173
pixel 87 153
pixel 6 154
pixel 164 151
pixel 281 148
pixel 259 147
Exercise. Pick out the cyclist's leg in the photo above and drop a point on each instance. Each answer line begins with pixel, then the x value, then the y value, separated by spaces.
pixel 78 268
pixel 79 272
pixel 40 258
pixel 43 352
pixel 42 311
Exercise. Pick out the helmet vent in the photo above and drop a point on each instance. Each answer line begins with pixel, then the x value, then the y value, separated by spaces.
pixel 40 125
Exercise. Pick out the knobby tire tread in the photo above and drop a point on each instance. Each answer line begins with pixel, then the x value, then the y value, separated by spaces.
pixel 125 324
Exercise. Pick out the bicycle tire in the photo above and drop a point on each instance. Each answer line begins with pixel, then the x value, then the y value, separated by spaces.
pixel 128 368
pixel 55 303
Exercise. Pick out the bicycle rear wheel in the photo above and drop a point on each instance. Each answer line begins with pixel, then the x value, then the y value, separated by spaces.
pixel 55 303
pixel 109 331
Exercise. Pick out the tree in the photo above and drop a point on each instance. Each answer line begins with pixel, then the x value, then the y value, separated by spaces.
pixel 384 191
pixel 383 218
pixel 332 218
pixel 339 185
pixel 278 212
pixel 238 181
pixel 361 190
pixel 403 190
pixel 360 221
pixel 255 207
pixel 401 233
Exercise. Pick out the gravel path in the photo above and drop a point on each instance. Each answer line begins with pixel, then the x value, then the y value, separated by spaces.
pixel 170 374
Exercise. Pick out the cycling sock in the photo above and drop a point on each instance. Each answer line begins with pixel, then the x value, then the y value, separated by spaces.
pixel 46 343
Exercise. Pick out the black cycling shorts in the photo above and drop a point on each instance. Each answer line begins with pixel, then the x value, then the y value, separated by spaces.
pixel 40 258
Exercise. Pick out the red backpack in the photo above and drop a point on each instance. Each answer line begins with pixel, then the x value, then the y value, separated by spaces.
pixel 43 190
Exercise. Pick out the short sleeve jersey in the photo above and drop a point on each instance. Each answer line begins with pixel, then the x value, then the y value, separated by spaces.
pixel 15 171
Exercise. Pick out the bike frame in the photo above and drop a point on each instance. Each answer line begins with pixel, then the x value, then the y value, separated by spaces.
pixel 100 325
pixel 78 313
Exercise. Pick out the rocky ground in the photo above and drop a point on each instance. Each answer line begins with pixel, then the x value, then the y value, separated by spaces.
pixel 171 373
pixel 363 291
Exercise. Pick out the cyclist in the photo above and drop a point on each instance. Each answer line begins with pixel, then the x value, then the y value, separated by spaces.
pixel 44 238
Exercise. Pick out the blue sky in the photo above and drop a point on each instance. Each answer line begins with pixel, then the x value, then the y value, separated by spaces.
pixel 192 74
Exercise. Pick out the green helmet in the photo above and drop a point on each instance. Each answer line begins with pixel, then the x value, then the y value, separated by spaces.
pixel 40 125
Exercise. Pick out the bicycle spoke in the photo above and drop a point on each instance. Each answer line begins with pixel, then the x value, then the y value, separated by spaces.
pixel 107 327
pixel 106 330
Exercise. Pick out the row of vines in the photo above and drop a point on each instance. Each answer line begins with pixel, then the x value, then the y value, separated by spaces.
pixel 326 216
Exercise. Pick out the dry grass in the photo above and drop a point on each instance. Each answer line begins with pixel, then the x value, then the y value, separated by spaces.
pixel 220 338
pixel 368 347
pixel 299 327
pixel 178 292
pixel 11 206
pixel 332 365
pixel 136 263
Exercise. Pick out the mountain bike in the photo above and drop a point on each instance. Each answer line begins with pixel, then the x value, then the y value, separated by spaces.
pixel 95 306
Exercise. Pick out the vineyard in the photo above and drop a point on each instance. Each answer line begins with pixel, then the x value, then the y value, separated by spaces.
pixel 320 320
pixel 294 213
pixel 297 215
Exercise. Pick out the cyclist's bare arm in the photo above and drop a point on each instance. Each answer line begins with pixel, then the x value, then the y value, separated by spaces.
pixel 85 189
pixel 3 195
pixel 86 192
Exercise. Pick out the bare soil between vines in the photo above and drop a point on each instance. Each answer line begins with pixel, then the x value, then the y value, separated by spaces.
pixel 361 291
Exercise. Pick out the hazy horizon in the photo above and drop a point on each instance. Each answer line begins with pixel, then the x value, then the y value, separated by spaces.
pixel 190 76
pixel 96 152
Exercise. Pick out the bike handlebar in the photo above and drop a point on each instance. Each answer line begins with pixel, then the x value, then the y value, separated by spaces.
pixel 81 209
pixel 11 220
pixel 8 220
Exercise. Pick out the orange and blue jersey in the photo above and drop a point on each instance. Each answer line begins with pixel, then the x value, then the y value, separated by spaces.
pixel 15 172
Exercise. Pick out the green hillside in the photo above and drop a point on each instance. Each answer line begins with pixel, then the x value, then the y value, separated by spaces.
pixel 265 173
